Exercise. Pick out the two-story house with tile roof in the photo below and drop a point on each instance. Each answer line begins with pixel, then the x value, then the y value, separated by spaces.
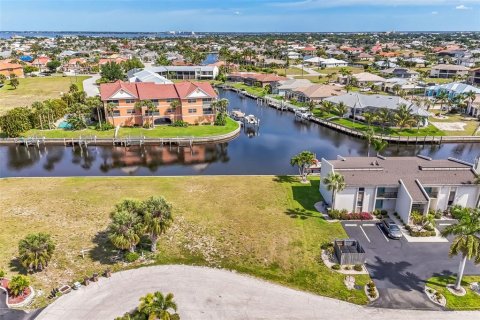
pixel 195 99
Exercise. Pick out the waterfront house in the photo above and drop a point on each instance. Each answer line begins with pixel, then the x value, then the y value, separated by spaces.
pixel 195 100
pixel 315 92
pixel 452 89
pixel 326 63
pixel 365 79
pixel 358 103
pixel 400 72
pixel 255 79
pixel 8 68
pixel 282 87
pixel 182 72
pixel 41 63
pixel 145 75
pixel 448 71
pixel 401 184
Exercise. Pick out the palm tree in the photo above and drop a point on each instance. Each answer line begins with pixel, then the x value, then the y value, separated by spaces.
pixel 335 182
pixel 35 251
pixel 466 241
pixel 379 145
pixel 18 284
pixel 470 96
pixel 125 229
pixel 157 306
pixel 303 160
pixel 110 107
pixel 151 108
pixel 396 89
pixel 174 105
pixel 95 103
pixel 39 109
pixel 157 217
pixel 327 106
pixel 311 105
pixel 341 109
pixel 441 97
pixel 403 116
pixel 345 73
pixel 369 117
pixel 369 135
pixel 384 116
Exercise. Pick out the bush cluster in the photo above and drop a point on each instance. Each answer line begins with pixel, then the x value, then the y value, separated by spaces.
pixel 336 267
pixel 358 267
pixel 345 215
pixel 131 256
pixel 179 123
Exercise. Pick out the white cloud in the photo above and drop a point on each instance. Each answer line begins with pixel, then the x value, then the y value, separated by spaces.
pixel 462 7
pixel 237 13
pixel 434 12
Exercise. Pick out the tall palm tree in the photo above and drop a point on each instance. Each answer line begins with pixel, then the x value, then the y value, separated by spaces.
pixel 470 96
pixel 379 145
pixel 151 108
pixel 335 182
pixel 369 135
pixel 109 108
pixel 467 240
pixel 95 103
pixel 327 106
pixel 369 117
pixel 157 306
pixel 384 116
pixel 125 229
pixel 36 250
pixel 174 105
pixel 157 218
pixel 39 110
pixel 441 97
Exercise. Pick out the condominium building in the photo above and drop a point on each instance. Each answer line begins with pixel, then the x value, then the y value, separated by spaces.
pixel 401 184
pixel 194 99
pixel 182 72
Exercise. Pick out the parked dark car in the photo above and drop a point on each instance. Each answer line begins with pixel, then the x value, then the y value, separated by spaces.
pixel 391 229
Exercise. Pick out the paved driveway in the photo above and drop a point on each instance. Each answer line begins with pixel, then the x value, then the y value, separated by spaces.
pixel 12 314
pixel 205 293
pixel 89 86
pixel 400 268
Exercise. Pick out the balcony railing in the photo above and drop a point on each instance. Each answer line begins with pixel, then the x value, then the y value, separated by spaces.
pixel 387 194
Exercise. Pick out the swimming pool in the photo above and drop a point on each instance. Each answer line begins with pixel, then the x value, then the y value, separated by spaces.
pixel 64 125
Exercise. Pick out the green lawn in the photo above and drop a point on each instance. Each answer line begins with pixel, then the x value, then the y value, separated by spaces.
pixel 36 89
pixel 164 131
pixel 264 226
pixel 470 301
pixel 314 79
pixel 438 80
pixel 290 71
pixel 258 91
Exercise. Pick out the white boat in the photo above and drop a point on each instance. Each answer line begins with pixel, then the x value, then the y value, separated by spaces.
pixel 237 114
pixel 302 114
pixel 251 119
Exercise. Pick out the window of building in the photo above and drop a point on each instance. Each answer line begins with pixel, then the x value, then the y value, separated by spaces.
pixel 116 113
pixel 192 110
pixel 130 111
pixel 451 196
pixel 113 101
pixel 360 195
pixel 170 110
pixel 192 100
pixel 129 101
pixel 207 110
pixel 155 101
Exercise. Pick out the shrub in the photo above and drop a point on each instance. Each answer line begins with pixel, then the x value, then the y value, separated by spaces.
pixel 326 245
pixel 179 123
pixel 18 284
pixel 105 126
pixel 221 119
pixel 358 267
pixel 2 274
pixel 371 284
pixel 16 121
pixel 424 233
pixel 438 295
pixel 336 267
pixel 356 216
pixel 131 256
pixel 384 212
pixel 429 228
pixel 348 268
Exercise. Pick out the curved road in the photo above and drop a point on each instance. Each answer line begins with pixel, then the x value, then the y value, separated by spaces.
pixel 205 293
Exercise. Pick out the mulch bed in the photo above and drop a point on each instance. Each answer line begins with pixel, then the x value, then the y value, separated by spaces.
pixel 18 299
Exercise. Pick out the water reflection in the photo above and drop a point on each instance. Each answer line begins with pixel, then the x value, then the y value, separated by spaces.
pixel 265 150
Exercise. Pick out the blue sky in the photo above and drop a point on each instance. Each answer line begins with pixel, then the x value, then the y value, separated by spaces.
pixel 240 15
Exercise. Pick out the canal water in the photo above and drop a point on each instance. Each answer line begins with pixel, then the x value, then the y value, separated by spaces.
pixel 264 151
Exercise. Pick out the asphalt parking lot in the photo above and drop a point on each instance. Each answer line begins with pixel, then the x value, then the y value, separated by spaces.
pixel 400 268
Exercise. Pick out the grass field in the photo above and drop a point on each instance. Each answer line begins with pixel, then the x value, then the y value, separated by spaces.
pixel 337 70
pixel 468 302
pixel 258 91
pixel 263 226
pixel 290 71
pixel 157 132
pixel 470 125
pixel 438 80
pixel 35 89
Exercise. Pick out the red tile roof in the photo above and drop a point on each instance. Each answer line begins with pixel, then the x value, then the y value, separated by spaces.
pixel 149 90
pixel 6 64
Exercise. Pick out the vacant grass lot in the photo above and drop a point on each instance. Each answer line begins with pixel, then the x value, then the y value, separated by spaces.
pixel 263 226
pixel 36 89
pixel 164 131
pixel 468 302
pixel 337 70
pixel 258 91
pixel 290 71
pixel 470 124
